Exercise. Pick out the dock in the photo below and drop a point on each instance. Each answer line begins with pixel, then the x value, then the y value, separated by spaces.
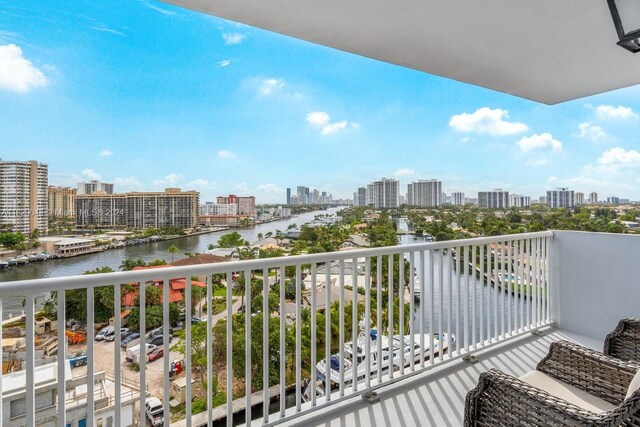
pixel 220 412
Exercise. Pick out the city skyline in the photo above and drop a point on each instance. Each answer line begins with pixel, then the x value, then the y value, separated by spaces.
pixel 231 107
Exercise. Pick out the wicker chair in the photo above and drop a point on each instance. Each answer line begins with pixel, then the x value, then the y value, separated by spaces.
pixel 624 341
pixel 502 400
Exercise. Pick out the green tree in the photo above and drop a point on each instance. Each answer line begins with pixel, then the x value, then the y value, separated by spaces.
pixel 173 249
pixel 130 264
pixel 232 240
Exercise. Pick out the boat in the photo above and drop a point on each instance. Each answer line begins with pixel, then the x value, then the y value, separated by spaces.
pixel 42 256
pixel 399 348
pixel 22 259
pixel 12 261
pixel 3 264
pixel 32 257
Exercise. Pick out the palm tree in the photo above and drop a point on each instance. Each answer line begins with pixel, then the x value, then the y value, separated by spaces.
pixel 260 236
pixel 173 249
pixel 129 264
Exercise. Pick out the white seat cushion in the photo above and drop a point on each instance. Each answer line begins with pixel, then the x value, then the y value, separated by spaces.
pixel 567 392
pixel 634 385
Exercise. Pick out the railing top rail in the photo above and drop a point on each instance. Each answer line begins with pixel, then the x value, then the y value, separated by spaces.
pixel 27 287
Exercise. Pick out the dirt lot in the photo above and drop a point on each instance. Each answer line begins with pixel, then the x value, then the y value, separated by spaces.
pixel 104 354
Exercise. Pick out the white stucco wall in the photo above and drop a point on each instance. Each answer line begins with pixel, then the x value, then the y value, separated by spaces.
pixel 596 278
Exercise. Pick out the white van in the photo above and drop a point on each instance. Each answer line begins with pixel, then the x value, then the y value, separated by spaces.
pixel 134 352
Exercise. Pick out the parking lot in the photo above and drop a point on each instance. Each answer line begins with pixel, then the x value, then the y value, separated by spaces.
pixel 104 357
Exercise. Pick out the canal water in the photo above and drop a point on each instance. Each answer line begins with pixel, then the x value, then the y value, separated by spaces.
pixel 148 252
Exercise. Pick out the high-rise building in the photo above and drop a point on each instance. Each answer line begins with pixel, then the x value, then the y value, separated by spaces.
pixel 94 186
pixel 360 197
pixel 593 198
pixel 579 198
pixel 457 198
pixel 561 198
pixel 288 196
pixel 23 196
pixel 386 193
pixel 519 201
pixel 613 200
pixel 496 199
pixel 172 207
pixel 369 194
pixel 425 193
pixel 303 195
pixel 62 202
pixel 542 200
pixel 246 204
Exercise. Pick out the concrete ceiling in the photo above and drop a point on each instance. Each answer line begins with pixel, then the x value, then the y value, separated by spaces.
pixel 548 51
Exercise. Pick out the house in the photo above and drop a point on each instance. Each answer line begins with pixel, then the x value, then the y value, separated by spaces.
pixel 176 288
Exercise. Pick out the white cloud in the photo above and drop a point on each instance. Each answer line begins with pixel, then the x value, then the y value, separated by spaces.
pixel 233 38
pixel 103 28
pixel 265 193
pixel 91 174
pixel 129 183
pixel 619 112
pixel 168 181
pixel 487 121
pixel 322 121
pixel 17 73
pixel 158 9
pixel 224 63
pixel 590 131
pixel 226 154
pixel 270 86
pixel 404 172
pixel 539 142
pixel 537 162
pixel 618 159
pixel 106 153
pixel 201 184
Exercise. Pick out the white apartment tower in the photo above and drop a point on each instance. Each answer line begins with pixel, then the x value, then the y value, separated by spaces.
pixel 496 199
pixel 424 193
pixel 457 198
pixel 519 201
pixel 579 198
pixel 24 196
pixel 561 198
pixel 386 193
pixel 94 187
pixel 593 198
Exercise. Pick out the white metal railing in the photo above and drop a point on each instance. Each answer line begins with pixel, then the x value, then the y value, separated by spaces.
pixel 444 301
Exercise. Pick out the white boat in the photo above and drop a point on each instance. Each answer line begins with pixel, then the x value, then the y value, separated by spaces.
pixel 32 257
pixel 401 353
pixel 12 261
pixel 3 264
pixel 42 256
pixel 22 259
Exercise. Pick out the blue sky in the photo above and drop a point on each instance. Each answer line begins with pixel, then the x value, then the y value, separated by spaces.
pixel 148 95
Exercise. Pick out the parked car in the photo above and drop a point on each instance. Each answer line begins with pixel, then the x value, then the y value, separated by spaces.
pixel 133 353
pixel 158 331
pixel 129 338
pixel 158 339
pixel 195 319
pixel 155 411
pixel 104 333
pixel 123 333
pixel 156 354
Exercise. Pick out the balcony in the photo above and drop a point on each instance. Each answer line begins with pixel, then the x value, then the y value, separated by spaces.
pixel 454 310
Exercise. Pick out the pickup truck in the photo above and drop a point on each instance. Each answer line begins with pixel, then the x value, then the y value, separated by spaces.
pixel 155 411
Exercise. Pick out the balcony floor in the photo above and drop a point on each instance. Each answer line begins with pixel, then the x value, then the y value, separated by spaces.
pixel 436 397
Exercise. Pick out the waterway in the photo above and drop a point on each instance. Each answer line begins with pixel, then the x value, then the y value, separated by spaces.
pixel 148 252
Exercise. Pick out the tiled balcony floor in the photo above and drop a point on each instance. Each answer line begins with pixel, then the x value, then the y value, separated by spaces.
pixel 436 398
